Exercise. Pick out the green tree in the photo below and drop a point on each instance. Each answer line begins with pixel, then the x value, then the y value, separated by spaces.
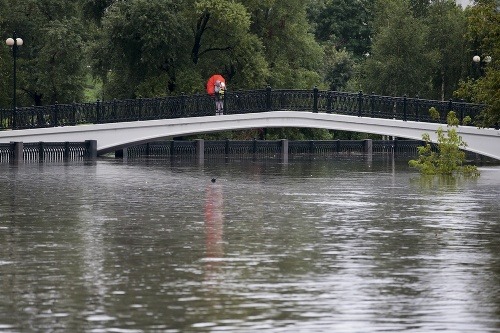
pixel 94 9
pixel 140 48
pixel 293 55
pixel 223 42
pixel 338 69
pixel 399 62
pixel 62 56
pixel 483 31
pixel 160 47
pixel 420 7
pixel 450 157
pixel 50 63
pixel 346 24
pixel 447 26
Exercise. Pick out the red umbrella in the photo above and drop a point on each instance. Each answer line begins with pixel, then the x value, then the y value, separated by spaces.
pixel 211 83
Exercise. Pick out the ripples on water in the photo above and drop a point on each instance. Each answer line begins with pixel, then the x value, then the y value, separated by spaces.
pixel 311 246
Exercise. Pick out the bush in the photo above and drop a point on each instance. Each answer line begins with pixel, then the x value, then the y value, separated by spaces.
pixel 450 156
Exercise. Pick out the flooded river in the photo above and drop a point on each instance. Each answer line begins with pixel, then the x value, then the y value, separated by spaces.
pixel 314 245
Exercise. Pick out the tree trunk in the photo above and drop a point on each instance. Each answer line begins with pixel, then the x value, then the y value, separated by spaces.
pixel 200 29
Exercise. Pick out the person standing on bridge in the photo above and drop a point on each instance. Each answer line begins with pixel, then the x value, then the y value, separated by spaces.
pixel 220 88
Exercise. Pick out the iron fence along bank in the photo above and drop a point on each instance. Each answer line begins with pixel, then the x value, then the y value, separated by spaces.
pixel 213 149
pixel 271 148
pixel 237 102
pixel 47 151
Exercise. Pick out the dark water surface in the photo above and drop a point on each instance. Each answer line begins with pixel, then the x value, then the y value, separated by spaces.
pixel 311 246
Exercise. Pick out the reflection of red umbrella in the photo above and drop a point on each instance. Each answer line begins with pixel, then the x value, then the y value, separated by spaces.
pixel 211 83
pixel 214 224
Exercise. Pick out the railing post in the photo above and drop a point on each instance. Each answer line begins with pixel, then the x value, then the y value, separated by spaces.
pixel 360 103
pixel 172 148
pixel 18 151
pixel 372 104
pixel 139 109
pixel 462 111
pixel 224 105
pixel 368 147
pixel 98 112
pixel 14 122
pixel 198 108
pixel 269 103
pixel 417 105
pixel 73 114
pixel 329 102
pixel 450 106
pixel 122 153
pixel 200 150
pixel 284 151
pixel 405 101
pixel 113 112
pixel 183 109
pixel 226 148
pixel 41 154
pixel 56 109
pixel 66 150
pixel 33 123
pixel 39 117
pixel 315 99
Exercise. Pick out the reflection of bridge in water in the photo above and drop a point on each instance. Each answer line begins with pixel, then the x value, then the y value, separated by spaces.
pixel 119 124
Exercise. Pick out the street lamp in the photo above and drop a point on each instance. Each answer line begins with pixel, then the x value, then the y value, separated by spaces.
pixel 14 43
pixel 477 61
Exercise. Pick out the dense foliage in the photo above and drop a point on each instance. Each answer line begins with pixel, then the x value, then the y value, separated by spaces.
pixel 449 159
pixel 483 85
pixel 85 49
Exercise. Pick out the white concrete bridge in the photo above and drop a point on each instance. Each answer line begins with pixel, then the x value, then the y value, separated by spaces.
pixel 115 136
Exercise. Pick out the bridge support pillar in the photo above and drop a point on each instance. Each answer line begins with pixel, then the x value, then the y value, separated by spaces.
pixel 200 150
pixel 66 151
pixel 368 147
pixel 18 152
pixel 121 153
pixel 284 151
pixel 91 149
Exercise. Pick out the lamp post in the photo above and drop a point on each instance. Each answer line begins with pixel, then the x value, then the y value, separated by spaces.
pixel 478 61
pixel 14 42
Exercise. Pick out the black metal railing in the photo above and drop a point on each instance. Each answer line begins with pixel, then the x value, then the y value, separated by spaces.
pixel 270 148
pixel 46 151
pixel 261 149
pixel 238 102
